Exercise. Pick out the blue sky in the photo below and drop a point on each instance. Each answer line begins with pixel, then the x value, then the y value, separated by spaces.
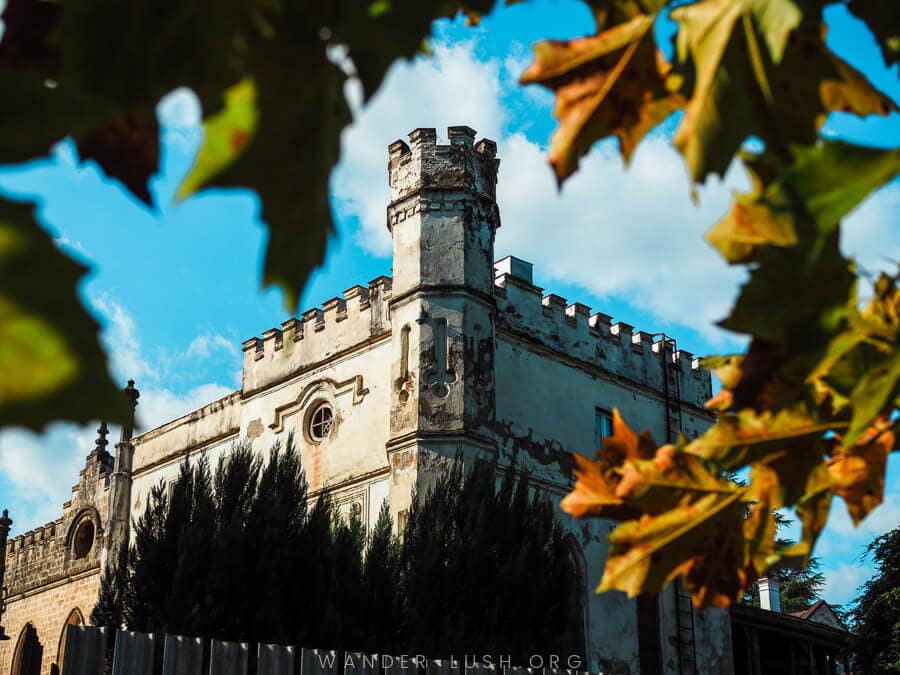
pixel 176 287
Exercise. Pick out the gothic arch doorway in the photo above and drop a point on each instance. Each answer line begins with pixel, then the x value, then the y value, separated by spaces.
pixel 75 618
pixel 576 619
pixel 28 654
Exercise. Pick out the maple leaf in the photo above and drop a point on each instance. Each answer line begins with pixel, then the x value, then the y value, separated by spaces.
pixel 609 84
pixel 701 540
pixel 759 68
pixel 746 437
pixel 595 491
pixel 857 473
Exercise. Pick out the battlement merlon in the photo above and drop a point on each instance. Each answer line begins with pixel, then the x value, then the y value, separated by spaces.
pixel 461 165
pixel 571 329
pixel 319 333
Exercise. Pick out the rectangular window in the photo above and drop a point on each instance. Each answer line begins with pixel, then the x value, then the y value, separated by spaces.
pixel 602 426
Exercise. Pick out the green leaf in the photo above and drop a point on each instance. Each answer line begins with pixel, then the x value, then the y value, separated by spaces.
pixel 832 178
pixel 759 68
pixel 52 363
pixel 714 55
pixel 288 160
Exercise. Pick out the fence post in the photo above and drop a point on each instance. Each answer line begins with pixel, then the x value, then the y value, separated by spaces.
pixel 228 658
pixel 85 651
pixel 183 656
pixel 319 662
pixel 357 663
pixel 274 660
pixel 134 653
pixel 444 667
pixel 399 665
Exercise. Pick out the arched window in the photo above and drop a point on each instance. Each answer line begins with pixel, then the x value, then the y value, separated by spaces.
pixel 75 619
pixel 28 654
pixel 84 538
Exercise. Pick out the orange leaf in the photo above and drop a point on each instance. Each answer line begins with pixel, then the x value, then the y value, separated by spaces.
pixel 609 84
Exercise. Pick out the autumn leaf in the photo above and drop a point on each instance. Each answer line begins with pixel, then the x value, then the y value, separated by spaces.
pixel 750 223
pixel 609 84
pixel 50 355
pixel 857 473
pixel 595 492
pixel 759 68
pixel 701 540
pixel 746 437
pixel 226 134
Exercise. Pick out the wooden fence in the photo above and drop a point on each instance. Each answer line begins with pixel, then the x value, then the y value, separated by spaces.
pixel 137 654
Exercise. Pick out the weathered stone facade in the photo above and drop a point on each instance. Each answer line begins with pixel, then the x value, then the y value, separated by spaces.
pixel 52 573
pixel 452 354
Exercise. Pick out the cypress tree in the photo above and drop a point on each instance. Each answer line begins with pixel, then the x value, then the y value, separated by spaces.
pixel 109 610
pixel 381 587
pixel 484 569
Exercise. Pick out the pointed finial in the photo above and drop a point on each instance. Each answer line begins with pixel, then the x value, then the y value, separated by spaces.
pixel 101 442
pixel 5 523
pixel 131 395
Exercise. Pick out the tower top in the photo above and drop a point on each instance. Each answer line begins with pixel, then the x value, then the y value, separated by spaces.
pixel 461 165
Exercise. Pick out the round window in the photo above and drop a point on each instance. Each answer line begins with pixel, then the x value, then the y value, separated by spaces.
pixel 84 538
pixel 320 422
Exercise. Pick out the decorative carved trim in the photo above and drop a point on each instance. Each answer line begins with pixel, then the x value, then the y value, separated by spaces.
pixel 325 384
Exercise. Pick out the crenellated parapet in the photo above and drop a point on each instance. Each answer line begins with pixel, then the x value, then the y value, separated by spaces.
pixel 572 330
pixel 361 315
pixel 69 545
pixel 461 165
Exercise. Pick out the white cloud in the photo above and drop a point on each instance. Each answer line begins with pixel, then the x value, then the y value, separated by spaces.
pixel 631 233
pixel 842 581
pixel 42 468
pixel 871 235
pixel 203 346
pixel 180 109
pixel 119 336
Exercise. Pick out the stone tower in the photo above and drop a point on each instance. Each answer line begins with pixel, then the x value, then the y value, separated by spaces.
pixel 443 216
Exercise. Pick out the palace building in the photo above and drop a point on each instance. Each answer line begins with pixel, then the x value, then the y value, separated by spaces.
pixel 382 387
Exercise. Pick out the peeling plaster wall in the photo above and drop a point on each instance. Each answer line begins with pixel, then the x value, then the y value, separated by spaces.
pixel 545 409
pixel 352 461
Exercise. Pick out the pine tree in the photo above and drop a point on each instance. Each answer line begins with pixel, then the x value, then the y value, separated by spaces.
pixel 799 589
pixel 875 613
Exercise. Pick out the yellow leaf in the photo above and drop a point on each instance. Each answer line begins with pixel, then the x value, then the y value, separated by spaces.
pixel 226 135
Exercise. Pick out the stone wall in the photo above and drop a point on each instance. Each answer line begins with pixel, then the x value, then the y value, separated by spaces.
pixel 54 570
